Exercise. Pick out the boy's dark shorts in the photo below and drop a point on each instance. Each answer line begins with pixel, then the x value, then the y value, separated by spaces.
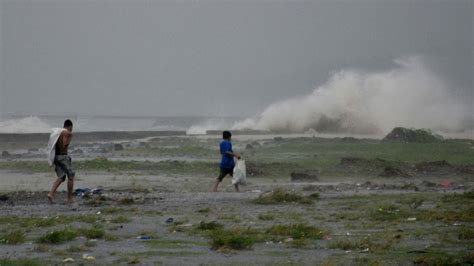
pixel 63 167
pixel 224 172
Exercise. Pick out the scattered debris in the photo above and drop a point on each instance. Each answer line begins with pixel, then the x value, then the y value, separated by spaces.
pixel 87 257
pixel 446 183
pixel 169 220
pixel 87 192
pixel 68 260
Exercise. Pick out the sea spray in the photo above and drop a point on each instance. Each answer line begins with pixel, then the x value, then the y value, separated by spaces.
pixel 31 124
pixel 359 102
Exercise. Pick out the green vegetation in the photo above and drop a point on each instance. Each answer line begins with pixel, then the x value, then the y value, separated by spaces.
pixel 95 232
pixel 120 219
pixel 57 237
pixel 266 216
pixel 296 231
pixel 22 262
pixel 68 234
pixel 169 243
pixel 442 258
pixel 13 238
pixel 387 213
pixel 319 155
pixel 209 226
pixel 234 239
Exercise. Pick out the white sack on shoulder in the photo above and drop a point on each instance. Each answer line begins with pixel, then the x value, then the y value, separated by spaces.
pixel 53 139
pixel 240 174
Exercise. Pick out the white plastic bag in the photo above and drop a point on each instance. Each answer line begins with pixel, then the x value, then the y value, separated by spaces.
pixel 240 174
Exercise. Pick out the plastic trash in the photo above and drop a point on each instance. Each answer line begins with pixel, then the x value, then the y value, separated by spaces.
pixel 446 183
pixel 88 191
pixel 68 260
pixel 240 173
pixel 144 237
pixel 169 220
pixel 411 219
pixel 87 257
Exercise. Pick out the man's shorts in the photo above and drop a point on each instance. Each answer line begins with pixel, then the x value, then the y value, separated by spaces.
pixel 63 167
pixel 224 172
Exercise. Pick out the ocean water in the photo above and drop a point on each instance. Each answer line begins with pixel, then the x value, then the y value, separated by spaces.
pixel 43 124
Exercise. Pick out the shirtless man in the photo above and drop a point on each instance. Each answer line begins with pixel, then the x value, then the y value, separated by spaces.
pixel 63 163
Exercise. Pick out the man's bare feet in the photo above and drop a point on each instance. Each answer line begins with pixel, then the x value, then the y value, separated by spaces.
pixel 51 199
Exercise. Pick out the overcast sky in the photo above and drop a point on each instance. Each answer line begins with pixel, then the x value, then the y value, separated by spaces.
pixel 229 58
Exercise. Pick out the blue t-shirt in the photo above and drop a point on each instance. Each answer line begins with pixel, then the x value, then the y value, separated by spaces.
pixel 227 161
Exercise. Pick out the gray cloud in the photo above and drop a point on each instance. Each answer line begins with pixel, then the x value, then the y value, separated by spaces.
pixel 214 58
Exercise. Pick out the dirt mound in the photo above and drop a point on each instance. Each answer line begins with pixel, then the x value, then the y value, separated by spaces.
pixel 303 177
pixel 434 166
pixel 349 161
pixel 412 135
pixel 391 171
pixel 466 169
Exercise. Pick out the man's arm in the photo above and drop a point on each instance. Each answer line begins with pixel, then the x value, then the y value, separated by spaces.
pixel 233 154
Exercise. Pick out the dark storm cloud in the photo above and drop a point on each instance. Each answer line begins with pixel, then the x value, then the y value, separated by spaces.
pixel 214 58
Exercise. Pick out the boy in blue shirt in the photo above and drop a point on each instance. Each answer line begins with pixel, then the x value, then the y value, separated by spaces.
pixel 227 162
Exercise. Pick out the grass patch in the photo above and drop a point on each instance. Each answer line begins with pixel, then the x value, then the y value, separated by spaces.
pixel 95 232
pixel 22 262
pixel 13 238
pixel 296 231
pixel 166 253
pixel 279 196
pixel 442 258
pixel 167 243
pixel 126 201
pixel 235 239
pixel 91 243
pixel 204 210
pixel 447 216
pixel 387 212
pixel 76 249
pixel 266 217
pixel 112 210
pixel 375 242
pixel 213 225
pixel 97 201
pixel 466 234
pixel 68 234
pixel 58 237
pixel 120 219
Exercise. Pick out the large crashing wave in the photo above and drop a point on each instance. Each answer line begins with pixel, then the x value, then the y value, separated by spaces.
pixel 409 95
pixel 30 124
